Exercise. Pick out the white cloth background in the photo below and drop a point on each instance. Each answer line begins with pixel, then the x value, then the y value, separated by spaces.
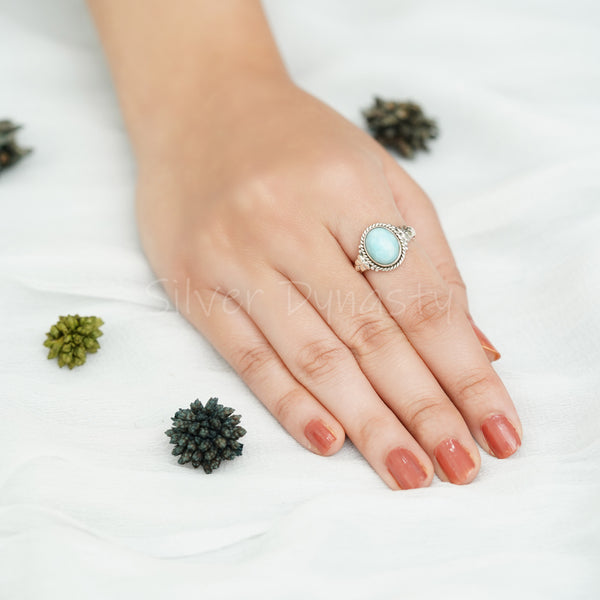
pixel 93 506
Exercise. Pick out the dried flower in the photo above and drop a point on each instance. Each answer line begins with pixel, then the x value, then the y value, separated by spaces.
pixel 401 126
pixel 10 151
pixel 72 338
pixel 206 435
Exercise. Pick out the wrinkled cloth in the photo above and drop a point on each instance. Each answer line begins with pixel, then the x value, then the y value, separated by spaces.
pixel 93 505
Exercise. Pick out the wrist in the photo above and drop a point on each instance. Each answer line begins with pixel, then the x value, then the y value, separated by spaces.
pixel 172 61
pixel 206 109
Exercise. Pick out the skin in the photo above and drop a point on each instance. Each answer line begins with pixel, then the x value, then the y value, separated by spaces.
pixel 251 198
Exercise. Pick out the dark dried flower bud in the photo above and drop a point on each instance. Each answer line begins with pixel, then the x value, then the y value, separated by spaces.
pixel 10 151
pixel 401 126
pixel 72 338
pixel 206 435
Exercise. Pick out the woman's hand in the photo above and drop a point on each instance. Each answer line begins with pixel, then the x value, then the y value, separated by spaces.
pixel 253 196
pixel 257 221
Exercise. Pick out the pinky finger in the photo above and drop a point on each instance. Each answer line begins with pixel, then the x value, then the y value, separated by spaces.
pixel 235 336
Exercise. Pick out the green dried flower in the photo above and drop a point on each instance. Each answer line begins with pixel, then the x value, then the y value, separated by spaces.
pixel 206 435
pixel 10 151
pixel 72 338
pixel 401 126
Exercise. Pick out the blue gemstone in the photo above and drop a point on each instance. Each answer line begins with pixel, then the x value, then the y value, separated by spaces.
pixel 382 246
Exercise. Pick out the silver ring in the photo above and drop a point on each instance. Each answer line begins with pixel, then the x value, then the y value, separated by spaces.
pixel 380 251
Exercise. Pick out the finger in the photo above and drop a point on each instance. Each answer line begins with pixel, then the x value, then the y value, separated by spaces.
pixel 418 210
pixel 421 303
pixel 236 338
pixel 320 362
pixel 347 302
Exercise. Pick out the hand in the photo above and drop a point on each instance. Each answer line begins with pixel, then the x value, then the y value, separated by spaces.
pixel 259 209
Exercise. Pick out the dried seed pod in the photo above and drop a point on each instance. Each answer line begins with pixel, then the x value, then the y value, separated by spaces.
pixel 401 126
pixel 72 337
pixel 206 435
pixel 10 151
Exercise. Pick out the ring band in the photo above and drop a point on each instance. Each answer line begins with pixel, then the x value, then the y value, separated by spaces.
pixel 383 247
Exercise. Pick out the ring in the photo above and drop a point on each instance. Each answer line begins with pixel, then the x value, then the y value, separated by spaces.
pixel 383 247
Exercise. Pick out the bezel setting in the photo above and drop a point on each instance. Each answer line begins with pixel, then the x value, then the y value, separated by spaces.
pixel 403 234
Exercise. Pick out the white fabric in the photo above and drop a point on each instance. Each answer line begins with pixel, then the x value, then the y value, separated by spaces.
pixel 93 506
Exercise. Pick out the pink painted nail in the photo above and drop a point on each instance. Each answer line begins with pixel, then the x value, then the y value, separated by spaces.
pixel 405 469
pixel 488 347
pixel 454 460
pixel 319 436
pixel 501 436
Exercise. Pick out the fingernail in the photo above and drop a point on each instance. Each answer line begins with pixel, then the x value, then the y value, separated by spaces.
pixel 405 469
pixel 501 436
pixel 454 460
pixel 319 436
pixel 488 347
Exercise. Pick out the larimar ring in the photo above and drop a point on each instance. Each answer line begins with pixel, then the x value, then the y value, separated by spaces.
pixel 383 247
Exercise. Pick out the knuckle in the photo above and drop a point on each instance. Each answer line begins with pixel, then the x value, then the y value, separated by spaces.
pixel 338 172
pixel 450 273
pixel 355 173
pixel 423 410
pixel 214 238
pixel 457 281
pixel 189 288
pixel 319 360
pixel 370 431
pixel 476 386
pixel 180 266
pixel 284 407
pixel 370 335
pixel 428 310
pixel 254 202
pixel 249 362
pixel 256 194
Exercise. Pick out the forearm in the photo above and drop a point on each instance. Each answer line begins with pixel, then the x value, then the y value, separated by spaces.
pixel 170 59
